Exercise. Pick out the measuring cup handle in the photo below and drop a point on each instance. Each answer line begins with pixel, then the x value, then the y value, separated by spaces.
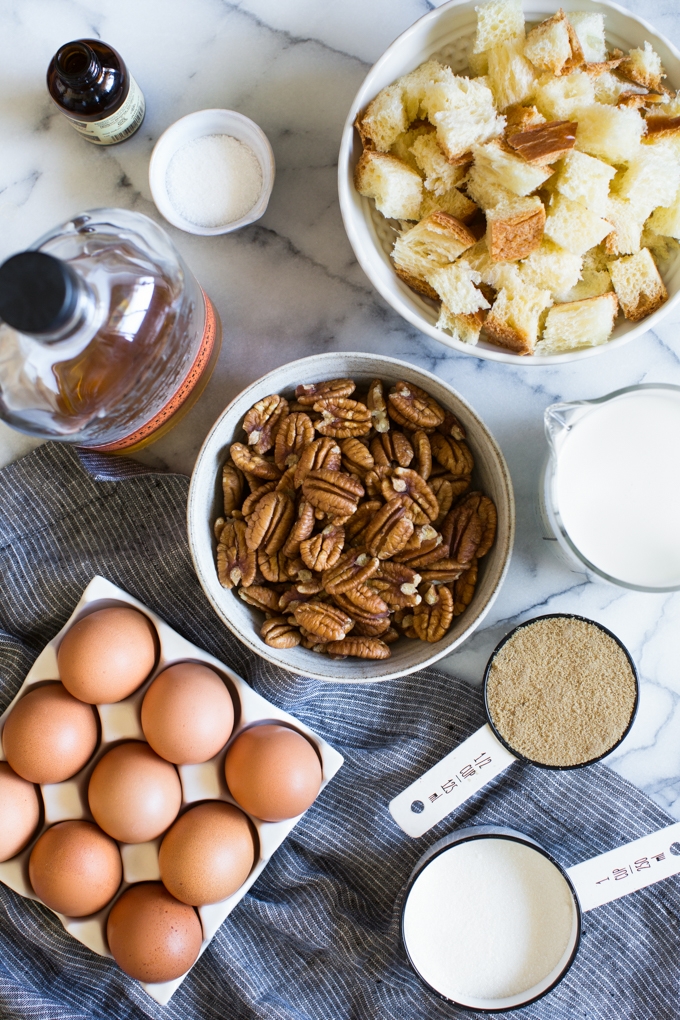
pixel 450 782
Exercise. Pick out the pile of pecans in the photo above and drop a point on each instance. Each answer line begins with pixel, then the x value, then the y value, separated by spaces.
pixel 349 523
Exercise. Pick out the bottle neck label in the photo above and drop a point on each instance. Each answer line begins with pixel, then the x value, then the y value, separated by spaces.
pixel 202 362
pixel 120 125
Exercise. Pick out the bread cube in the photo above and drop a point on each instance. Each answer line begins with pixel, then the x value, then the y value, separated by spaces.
pixel 551 268
pixel 627 223
pixel 506 169
pixel 662 247
pixel 440 175
pixel 592 284
pixel 519 118
pixel 453 202
pixel 485 189
pixel 463 114
pixel 608 88
pixel 414 85
pixel 548 46
pixel 455 285
pixel 573 226
pixel 465 328
pixel 513 321
pixel 666 219
pixel 384 119
pixel 612 133
pixel 436 241
pixel 561 98
pixel 577 324
pixel 638 284
pixel 643 66
pixel 401 146
pixel 511 76
pixel 585 179
pixel 514 228
pixel 397 189
pixel 498 21
pixel 589 28
pixel 651 179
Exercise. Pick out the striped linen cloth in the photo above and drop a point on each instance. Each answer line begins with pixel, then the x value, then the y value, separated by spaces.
pixel 317 937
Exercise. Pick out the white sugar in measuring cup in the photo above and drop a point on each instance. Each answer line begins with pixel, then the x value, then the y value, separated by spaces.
pixel 481 758
pixel 542 902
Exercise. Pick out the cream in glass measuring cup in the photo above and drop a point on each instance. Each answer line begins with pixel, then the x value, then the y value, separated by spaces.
pixel 611 492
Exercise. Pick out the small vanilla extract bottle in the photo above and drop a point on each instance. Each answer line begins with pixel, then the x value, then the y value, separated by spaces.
pixel 93 88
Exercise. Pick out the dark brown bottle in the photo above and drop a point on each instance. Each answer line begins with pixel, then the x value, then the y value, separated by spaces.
pixel 91 85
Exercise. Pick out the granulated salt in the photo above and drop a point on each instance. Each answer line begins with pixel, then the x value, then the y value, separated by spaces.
pixel 214 180
pixel 488 919
pixel 561 691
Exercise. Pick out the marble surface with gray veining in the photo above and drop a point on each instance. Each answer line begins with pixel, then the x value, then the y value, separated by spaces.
pixel 289 286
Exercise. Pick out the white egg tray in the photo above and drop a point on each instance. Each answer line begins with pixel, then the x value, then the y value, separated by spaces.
pixel 121 721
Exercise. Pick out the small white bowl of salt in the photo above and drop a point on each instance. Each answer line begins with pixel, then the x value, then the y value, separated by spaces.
pixel 212 172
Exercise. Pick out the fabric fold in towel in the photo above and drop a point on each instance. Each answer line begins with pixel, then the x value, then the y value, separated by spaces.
pixel 317 937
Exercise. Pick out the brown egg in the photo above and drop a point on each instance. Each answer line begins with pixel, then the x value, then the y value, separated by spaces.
pixel 187 713
pixel 208 853
pixel 19 812
pixel 74 868
pixel 105 656
pixel 49 735
pixel 273 772
pixel 152 936
pixel 133 794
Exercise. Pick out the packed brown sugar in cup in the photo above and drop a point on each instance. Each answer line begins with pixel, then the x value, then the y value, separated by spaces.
pixel 561 691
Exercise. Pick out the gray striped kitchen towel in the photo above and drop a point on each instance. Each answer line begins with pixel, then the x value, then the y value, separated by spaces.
pixel 317 937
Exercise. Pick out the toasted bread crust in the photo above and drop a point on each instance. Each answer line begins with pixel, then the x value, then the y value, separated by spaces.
pixel 505 336
pixel 415 283
pixel 515 237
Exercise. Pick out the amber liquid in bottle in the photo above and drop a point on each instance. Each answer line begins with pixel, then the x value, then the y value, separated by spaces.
pixel 92 87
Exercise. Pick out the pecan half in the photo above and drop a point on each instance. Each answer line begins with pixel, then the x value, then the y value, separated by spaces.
pixel 327 622
pixel 362 602
pixel 413 408
pixel 377 405
pixel 359 521
pixel 286 482
pixel 342 417
pixel 392 448
pixel 232 487
pixel 332 492
pixel 323 550
pixel 279 632
pixel 425 544
pixel 353 568
pixel 360 648
pixel 464 588
pixel 443 571
pixel 356 458
pixel 323 453
pixel 253 463
pixel 452 427
pixel 453 454
pixel 433 617
pixel 294 434
pixel 270 522
pixel 423 454
pixel 396 596
pixel 390 529
pixel 404 481
pixel 302 529
pixel 376 628
pixel 262 421
pixel 261 597
pixel 470 528
pixel 254 498
pixel 443 490
pixel 236 563
pixel 309 393
pixel 374 479
pixel 273 567
pixel 299 593
pixel 487 511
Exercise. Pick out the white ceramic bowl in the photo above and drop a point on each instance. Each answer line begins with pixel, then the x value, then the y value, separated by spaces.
pixel 205 506
pixel 447 33
pixel 196 125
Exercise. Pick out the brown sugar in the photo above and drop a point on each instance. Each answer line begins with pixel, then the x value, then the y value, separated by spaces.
pixel 561 691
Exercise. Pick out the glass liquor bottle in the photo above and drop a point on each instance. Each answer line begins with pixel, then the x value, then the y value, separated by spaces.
pixel 106 338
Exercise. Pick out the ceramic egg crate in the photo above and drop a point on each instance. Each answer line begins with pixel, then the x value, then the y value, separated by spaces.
pixel 121 722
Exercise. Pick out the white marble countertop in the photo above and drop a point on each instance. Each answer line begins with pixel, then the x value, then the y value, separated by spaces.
pixel 289 286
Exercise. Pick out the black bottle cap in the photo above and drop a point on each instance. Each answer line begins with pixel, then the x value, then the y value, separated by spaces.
pixel 38 293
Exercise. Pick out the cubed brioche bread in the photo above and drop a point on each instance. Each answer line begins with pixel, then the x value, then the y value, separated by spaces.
pixel 573 226
pixel 465 328
pixel 666 219
pixel 511 76
pixel 585 179
pixel 513 321
pixel 498 21
pixel 397 190
pixel 416 82
pixel 610 132
pixel 592 284
pixel 514 228
pixel 548 46
pixel 579 324
pixel 455 285
pixel 643 66
pixel 652 178
pixel 453 202
pixel 627 225
pixel 520 117
pixel 401 146
pixel 662 247
pixel 561 98
pixel 416 283
pixel 440 175
pixel 638 285
pixel 436 241
pixel 551 268
pixel 384 119
pixel 608 88
pixel 589 28
pixel 485 189
pixel 504 168
pixel 463 114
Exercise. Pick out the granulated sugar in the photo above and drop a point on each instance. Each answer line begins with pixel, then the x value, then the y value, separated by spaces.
pixel 488 918
pixel 561 691
pixel 214 180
